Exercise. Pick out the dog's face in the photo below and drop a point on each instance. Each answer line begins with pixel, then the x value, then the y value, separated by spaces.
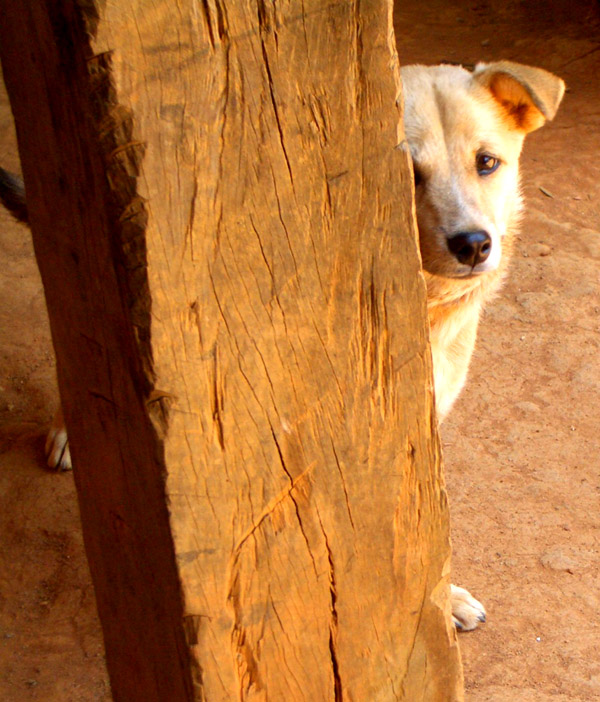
pixel 465 132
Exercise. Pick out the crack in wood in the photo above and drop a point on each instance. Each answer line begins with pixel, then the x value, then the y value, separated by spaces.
pixel 333 623
pixel 297 508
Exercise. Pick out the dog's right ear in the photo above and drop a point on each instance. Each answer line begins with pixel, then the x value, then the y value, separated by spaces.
pixel 528 96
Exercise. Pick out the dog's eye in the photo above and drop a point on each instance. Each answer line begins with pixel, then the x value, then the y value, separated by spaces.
pixel 486 164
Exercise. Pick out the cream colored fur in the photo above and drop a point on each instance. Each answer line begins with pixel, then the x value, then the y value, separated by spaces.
pixel 452 116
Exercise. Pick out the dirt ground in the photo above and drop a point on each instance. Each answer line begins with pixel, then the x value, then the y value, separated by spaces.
pixel 522 447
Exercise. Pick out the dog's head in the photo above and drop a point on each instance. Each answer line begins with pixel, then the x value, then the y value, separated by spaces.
pixel 465 131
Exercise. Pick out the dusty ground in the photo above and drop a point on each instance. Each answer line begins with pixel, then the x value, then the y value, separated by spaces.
pixel 522 447
pixel 50 640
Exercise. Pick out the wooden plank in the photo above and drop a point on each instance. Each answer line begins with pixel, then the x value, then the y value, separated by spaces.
pixel 222 215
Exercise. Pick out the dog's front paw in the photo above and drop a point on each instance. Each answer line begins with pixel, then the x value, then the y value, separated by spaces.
pixel 467 612
pixel 58 454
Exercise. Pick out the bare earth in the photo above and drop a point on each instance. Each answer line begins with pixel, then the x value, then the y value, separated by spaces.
pixel 522 447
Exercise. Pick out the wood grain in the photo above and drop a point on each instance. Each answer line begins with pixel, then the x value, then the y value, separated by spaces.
pixel 221 206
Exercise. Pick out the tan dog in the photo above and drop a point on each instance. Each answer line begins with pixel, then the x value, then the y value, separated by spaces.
pixel 465 132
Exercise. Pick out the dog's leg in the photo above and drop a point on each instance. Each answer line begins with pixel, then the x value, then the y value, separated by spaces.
pixel 58 454
pixel 12 196
pixel 467 612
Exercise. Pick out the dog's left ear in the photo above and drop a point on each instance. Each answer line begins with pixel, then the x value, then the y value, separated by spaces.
pixel 528 96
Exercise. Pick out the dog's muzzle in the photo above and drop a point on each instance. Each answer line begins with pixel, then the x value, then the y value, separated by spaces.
pixel 470 248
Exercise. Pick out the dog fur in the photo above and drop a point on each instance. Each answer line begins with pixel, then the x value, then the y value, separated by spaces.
pixel 465 131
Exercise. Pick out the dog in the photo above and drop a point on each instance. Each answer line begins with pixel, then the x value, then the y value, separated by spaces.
pixel 465 131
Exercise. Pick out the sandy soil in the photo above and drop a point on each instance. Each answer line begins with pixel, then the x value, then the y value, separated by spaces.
pixel 522 446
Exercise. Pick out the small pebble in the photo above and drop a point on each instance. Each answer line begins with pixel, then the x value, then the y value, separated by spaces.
pixel 557 560
pixel 540 249
pixel 526 406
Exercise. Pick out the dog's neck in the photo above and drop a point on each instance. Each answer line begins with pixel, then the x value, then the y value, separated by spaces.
pixel 445 292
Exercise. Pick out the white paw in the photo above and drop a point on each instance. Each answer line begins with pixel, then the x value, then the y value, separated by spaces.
pixel 58 454
pixel 467 612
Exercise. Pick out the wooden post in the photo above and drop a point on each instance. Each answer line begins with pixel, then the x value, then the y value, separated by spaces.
pixel 221 206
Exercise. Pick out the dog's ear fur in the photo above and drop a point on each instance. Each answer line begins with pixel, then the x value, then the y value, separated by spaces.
pixel 528 96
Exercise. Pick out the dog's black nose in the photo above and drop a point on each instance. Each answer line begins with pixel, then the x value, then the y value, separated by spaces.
pixel 470 248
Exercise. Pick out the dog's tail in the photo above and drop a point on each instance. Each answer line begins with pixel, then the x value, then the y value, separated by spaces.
pixel 12 195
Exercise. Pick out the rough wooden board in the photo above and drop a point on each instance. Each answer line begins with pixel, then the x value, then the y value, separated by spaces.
pixel 248 283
